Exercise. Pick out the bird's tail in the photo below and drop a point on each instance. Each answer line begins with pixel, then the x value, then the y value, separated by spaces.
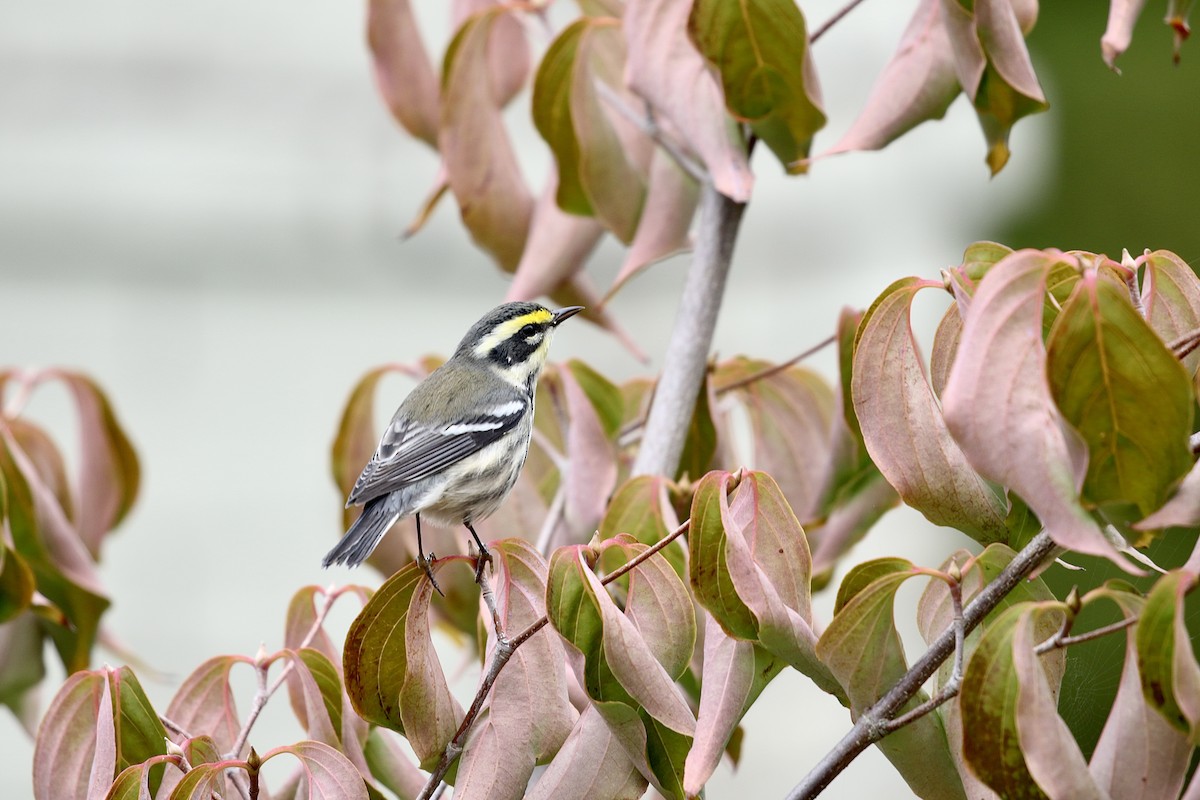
pixel 363 535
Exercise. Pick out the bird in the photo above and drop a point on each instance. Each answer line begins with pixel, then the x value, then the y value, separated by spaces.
pixel 456 445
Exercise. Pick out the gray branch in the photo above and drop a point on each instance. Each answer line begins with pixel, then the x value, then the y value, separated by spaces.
pixel 691 340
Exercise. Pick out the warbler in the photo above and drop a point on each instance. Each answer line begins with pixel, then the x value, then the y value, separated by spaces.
pixel 456 445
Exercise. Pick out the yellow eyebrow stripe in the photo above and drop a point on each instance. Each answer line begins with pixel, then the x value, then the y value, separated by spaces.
pixel 507 328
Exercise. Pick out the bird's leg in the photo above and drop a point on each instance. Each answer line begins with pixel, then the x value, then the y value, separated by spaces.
pixel 426 561
pixel 484 557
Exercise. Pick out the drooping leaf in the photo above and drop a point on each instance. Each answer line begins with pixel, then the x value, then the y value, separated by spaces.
pixel 507 51
pixel 662 232
pixel 751 569
pixel 759 48
pixel 919 83
pixel 998 406
pixel 1166 660
pixel 665 69
pixel 1122 16
pixel 493 199
pixel 316 694
pixel 994 67
pixel 1139 755
pixel 529 715
pixel 903 427
pixel 205 701
pixel 16 584
pixel 642 509
pixel 590 765
pixel 790 416
pixel 945 346
pixel 600 174
pixel 592 471
pixel 558 247
pixel 108 475
pixel 1005 697
pixel 326 772
pixel 1109 375
pixel 863 650
pixel 22 667
pixel 735 673
pixel 390 766
pixel 392 674
pixel 1172 300
pixel 403 72
pixel 1182 509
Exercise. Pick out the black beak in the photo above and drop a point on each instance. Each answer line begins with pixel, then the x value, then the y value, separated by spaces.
pixel 564 314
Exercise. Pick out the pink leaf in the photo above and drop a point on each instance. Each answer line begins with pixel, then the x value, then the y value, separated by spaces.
pixel 205 703
pixel 403 72
pixel 508 49
pixel 724 694
pixel 1139 755
pixel 68 738
pixel 997 403
pixel 529 714
pixel 918 84
pixel 1051 753
pixel 592 470
pixel 494 201
pixel 663 229
pixel 591 765
pixel 558 247
pixel 664 68
pixel 903 428
pixel 1183 509
pixel 1122 17
pixel 1172 300
pixel 327 773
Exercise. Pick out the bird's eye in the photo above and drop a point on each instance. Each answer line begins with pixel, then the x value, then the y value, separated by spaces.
pixel 529 330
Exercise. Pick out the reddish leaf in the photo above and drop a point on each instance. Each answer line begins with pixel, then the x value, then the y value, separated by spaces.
pixel 592 470
pixel 403 72
pixel 918 84
pixel 22 667
pixel 47 460
pixel 205 702
pixel 998 405
pixel 590 765
pixel 993 66
pixel 663 229
pixel 735 673
pixel 1139 755
pixel 1183 509
pixel 327 773
pixel 665 69
pixel 393 675
pixel 1122 16
pixel 529 715
pixel 484 174
pixel 508 49
pixel 945 346
pixel 1166 660
pixel 558 247
pixel 1172 300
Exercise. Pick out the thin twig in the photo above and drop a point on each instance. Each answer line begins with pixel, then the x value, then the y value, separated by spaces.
pixel 265 692
pixel 647 125
pixel 872 724
pixel 834 20
pixel 503 652
pixel 1058 640
pixel 775 369
pixel 1184 345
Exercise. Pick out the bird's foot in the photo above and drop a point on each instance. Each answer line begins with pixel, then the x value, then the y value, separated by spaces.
pixel 426 563
pixel 481 562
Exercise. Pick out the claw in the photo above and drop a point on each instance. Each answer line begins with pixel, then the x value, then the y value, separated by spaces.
pixel 481 562
pixel 426 566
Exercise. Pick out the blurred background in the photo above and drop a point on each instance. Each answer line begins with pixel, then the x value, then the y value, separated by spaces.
pixel 200 206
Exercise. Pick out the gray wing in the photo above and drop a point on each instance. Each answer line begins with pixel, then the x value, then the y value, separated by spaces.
pixel 410 452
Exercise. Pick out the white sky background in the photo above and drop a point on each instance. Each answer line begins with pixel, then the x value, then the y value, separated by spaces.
pixel 200 205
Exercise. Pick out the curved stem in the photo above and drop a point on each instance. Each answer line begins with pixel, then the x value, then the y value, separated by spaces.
pixel 691 340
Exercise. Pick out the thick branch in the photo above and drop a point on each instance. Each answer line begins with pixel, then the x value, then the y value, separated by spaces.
pixel 687 354
pixel 872 725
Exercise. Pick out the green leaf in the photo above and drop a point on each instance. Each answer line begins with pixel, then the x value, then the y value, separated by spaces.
pixel 316 695
pixel 596 174
pixel 393 676
pixel 700 445
pixel 641 508
pixel 1126 394
pixel 990 699
pixel 1172 300
pixel 760 50
pixel 902 423
pixel 16 584
pixel 604 394
pixel 1166 661
pixel 707 562
pixel 863 650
